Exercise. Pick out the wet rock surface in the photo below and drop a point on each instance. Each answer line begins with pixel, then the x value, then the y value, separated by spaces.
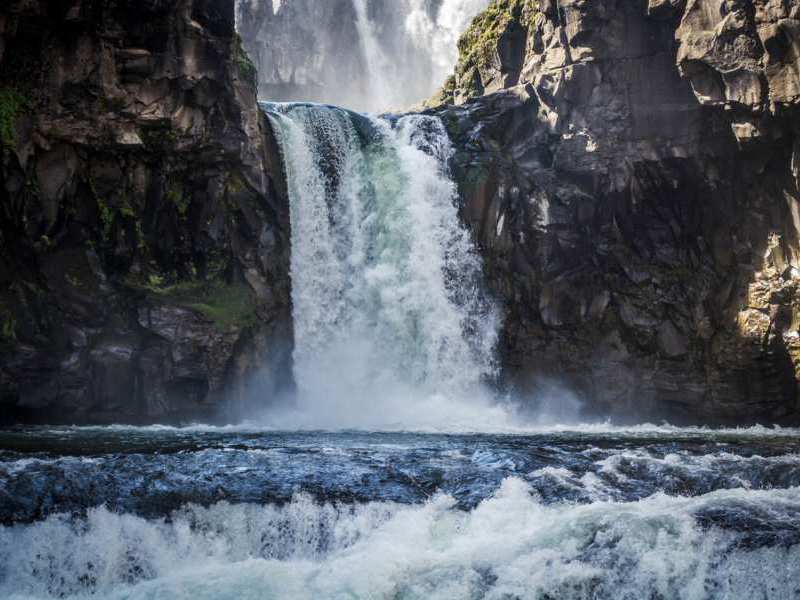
pixel 144 263
pixel 630 171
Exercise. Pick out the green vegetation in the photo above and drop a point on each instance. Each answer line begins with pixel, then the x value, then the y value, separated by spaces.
pixel 444 95
pixel 227 305
pixel 235 184
pixel 176 197
pixel 106 216
pixel 126 210
pixel 478 46
pixel 12 104
pixel 246 66
pixel 8 326
pixel 159 139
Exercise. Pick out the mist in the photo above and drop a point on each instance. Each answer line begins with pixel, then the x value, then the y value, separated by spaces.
pixel 367 55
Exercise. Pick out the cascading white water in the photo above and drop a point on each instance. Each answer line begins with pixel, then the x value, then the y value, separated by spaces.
pixel 509 546
pixel 433 34
pixel 437 32
pixel 392 328
pixel 378 67
pixel 368 55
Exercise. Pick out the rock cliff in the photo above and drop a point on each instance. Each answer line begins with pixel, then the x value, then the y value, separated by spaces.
pixel 144 262
pixel 631 171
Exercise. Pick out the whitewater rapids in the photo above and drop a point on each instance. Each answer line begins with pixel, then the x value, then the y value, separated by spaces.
pixel 156 513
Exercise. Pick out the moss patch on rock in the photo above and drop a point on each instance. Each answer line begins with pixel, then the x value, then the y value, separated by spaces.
pixel 227 305
pixel 13 103
pixel 478 46
pixel 246 66
pixel 8 326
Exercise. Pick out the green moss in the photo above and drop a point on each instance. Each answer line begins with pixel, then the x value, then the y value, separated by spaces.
pixel 141 241
pixel 126 210
pixel 12 104
pixel 72 280
pixel 176 197
pixel 106 216
pixel 246 66
pixel 445 95
pixel 478 46
pixel 227 305
pixel 160 138
pixel 235 184
pixel 8 326
pixel 452 126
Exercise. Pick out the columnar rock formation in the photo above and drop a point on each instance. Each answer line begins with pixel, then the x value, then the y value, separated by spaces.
pixel 631 170
pixel 144 263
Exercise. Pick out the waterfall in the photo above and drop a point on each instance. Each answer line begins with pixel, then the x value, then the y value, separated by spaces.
pixel 430 51
pixel 392 326
pixel 436 32
pixel 368 55
pixel 378 66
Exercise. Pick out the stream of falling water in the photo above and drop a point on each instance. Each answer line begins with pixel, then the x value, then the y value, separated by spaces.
pixel 392 326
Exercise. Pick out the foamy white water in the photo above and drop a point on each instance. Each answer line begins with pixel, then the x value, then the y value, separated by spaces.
pixel 643 512
pixel 392 327
pixel 509 546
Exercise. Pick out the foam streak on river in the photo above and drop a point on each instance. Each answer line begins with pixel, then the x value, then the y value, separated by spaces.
pixel 583 512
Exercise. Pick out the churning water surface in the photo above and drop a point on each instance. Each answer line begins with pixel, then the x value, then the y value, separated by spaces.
pixel 582 512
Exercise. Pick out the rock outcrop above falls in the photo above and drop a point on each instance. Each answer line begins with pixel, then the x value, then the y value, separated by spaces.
pixel 631 171
pixel 144 264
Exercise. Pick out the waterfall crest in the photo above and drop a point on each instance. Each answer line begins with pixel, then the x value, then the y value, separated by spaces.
pixel 392 324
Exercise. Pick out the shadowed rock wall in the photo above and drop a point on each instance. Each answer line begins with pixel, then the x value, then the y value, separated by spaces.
pixel 144 262
pixel 630 170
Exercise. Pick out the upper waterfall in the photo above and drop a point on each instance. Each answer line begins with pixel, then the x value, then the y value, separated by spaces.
pixel 369 55
pixel 392 325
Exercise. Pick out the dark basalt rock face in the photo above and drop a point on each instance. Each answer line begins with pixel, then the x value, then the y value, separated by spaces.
pixel 630 170
pixel 144 262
